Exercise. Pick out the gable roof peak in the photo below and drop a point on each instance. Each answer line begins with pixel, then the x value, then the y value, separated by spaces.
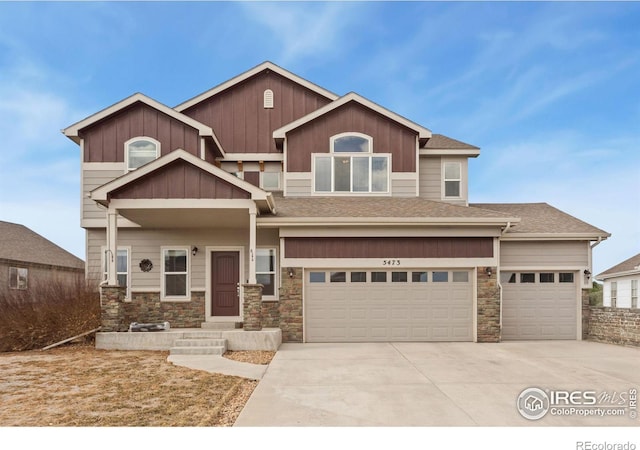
pixel 266 65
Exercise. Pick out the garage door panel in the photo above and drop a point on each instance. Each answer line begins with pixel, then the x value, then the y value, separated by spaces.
pixel 389 311
pixel 536 311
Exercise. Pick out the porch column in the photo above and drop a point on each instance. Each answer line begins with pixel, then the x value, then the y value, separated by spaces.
pixel 112 246
pixel 252 246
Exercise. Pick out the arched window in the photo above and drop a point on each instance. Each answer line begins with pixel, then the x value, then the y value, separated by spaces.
pixel 140 151
pixel 351 143
pixel 352 167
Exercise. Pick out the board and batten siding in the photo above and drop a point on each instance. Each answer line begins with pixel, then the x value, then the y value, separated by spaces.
pixel 388 137
pixel 544 254
pixel 240 120
pixel 104 141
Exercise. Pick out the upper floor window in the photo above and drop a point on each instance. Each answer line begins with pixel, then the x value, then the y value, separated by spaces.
pixel 352 168
pixel 452 179
pixel 351 143
pixel 140 151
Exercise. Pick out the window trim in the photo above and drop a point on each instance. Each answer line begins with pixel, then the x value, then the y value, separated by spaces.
pixel 163 273
pixel 613 291
pixel 127 248
pixel 135 139
pixel 17 278
pixel 634 293
pixel 335 137
pixel 445 179
pixel 351 192
pixel 278 188
pixel 276 268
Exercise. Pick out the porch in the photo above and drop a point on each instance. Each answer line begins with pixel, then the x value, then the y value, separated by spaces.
pixel 267 339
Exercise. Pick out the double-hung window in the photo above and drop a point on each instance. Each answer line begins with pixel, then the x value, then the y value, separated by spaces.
pixel 175 273
pixel 614 294
pixel 122 267
pixel 140 151
pixel 266 270
pixel 452 179
pixel 634 293
pixel 351 167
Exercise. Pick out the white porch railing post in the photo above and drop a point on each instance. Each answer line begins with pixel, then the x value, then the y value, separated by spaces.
pixel 252 246
pixel 112 247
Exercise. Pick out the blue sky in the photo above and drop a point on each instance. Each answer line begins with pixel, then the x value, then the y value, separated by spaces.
pixel 549 91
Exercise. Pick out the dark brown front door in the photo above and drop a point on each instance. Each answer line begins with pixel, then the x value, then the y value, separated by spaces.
pixel 225 275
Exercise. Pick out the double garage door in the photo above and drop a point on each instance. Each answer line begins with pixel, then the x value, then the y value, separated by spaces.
pixel 388 305
pixel 539 305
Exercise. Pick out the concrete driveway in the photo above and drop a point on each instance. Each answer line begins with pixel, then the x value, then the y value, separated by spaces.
pixel 438 384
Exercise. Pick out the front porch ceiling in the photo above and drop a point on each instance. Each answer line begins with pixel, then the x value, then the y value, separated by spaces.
pixel 188 218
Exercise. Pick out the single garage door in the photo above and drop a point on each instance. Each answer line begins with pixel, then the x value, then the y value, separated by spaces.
pixel 539 305
pixel 388 305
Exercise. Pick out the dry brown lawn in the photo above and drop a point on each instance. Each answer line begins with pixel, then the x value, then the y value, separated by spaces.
pixel 81 386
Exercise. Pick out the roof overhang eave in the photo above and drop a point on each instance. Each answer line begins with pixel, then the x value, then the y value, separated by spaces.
pixel 515 236
pixel 385 221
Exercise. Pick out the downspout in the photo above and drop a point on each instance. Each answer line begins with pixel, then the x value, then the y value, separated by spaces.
pixel 498 272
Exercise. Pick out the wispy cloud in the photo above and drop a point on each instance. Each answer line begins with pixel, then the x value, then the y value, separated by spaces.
pixel 303 30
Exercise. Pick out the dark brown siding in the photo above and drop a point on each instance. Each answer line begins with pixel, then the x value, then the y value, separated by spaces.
pixel 388 247
pixel 388 137
pixel 239 119
pixel 104 141
pixel 253 178
pixel 180 180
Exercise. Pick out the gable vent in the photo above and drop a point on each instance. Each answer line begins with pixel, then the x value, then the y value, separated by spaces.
pixel 268 98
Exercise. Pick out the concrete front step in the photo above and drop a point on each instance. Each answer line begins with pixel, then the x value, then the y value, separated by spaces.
pixel 199 343
pixel 190 350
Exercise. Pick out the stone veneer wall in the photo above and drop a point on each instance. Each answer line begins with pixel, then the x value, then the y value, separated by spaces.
pixel 111 308
pixel 290 308
pixel 488 306
pixel 146 307
pixel 270 314
pixel 252 307
pixel 614 325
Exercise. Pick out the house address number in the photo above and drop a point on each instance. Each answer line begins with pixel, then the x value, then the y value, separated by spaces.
pixel 390 262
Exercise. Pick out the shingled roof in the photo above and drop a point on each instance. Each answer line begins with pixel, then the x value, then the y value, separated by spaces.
pixel 19 243
pixel 378 207
pixel 542 218
pixel 440 141
pixel 630 265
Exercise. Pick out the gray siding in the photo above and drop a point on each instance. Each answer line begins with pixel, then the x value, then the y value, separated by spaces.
pixel 147 244
pixel 430 178
pixel 544 254
pixel 299 187
pixel 403 187
pixel 93 179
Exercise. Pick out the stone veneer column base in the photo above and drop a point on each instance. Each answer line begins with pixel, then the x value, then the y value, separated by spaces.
pixel 290 308
pixel 252 307
pixel 488 306
pixel 112 308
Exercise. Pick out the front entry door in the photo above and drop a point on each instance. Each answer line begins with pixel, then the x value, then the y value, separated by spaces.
pixel 225 276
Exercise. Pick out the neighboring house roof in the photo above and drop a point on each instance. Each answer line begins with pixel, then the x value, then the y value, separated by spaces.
pixel 541 220
pixel 19 243
pixel 379 210
pixel 267 65
pixel 72 131
pixel 423 133
pixel 627 267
